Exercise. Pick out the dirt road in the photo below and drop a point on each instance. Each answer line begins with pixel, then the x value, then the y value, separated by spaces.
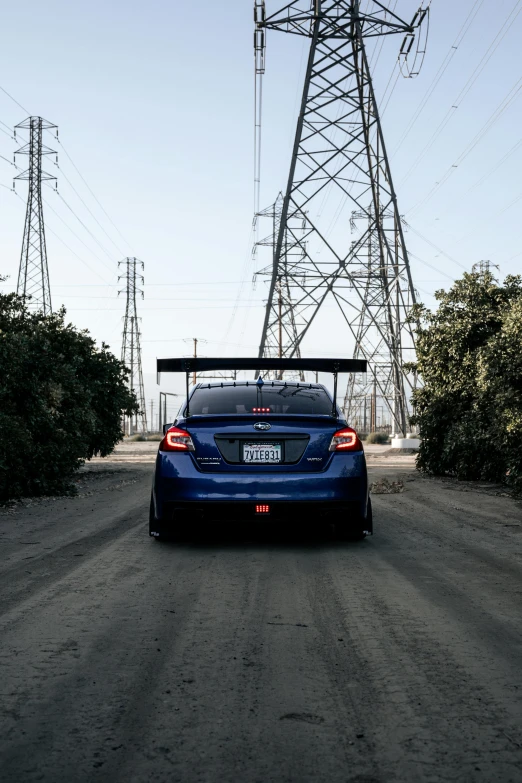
pixel 258 657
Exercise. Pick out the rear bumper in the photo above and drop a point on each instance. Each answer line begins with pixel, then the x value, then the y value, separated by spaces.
pixel 239 511
pixel 178 483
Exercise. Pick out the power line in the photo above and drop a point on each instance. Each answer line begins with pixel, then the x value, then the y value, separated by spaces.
pixel 505 157
pixel 75 234
pixel 64 243
pixel 6 126
pixel 60 238
pixel 92 213
pixel 467 87
pixel 81 177
pixel 440 72
pixel 509 153
pixel 431 266
pixel 9 161
pixel 93 194
pixel 157 298
pixel 14 100
pixel 436 247
pixel 145 285
pixel 102 247
pixel 157 309
pixel 492 119
pixel 493 217
pixel 67 225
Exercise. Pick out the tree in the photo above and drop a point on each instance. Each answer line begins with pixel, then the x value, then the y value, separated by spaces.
pixel 61 400
pixel 469 411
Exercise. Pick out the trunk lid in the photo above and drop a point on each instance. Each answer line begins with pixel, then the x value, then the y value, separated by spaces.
pixel 300 442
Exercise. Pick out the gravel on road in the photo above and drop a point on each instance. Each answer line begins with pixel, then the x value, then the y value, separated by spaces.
pixel 261 655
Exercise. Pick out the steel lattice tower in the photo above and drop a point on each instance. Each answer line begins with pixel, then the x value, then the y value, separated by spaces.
pixel 33 275
pixel 131 347
pixel 282 330
pixel 339 164
pixel 361 396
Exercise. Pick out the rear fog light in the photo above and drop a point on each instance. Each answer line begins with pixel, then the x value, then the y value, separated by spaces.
pixel 262 509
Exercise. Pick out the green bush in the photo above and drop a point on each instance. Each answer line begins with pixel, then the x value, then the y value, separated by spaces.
pixel 469 411
pixel 378 437
pixel 61 400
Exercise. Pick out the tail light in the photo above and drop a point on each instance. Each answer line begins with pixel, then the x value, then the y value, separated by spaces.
pixel 176 439
pixel 345 440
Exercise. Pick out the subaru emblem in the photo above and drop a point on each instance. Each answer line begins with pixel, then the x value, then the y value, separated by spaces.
pixel 262 425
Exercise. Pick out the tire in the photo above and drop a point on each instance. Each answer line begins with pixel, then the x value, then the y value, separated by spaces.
pixel 356 531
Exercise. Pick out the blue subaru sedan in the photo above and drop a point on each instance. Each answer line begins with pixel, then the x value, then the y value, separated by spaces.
pixel 246 450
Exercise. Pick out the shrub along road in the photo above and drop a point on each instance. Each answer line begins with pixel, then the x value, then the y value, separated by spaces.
pixel 261 656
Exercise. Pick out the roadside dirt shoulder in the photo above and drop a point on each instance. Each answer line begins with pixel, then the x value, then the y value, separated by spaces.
pixel 42 538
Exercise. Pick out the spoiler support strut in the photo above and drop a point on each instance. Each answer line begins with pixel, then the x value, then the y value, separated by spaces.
pixel 187 412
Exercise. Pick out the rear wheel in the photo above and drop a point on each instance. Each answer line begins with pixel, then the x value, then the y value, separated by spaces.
pixel 356 530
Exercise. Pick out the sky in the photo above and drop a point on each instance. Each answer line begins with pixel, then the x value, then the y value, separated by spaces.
pixel 155 108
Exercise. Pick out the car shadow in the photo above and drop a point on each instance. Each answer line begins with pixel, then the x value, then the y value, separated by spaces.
pixel 235 536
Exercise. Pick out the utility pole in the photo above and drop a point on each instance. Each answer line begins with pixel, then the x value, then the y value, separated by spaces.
pixel 339 163
pixel 130 346
pixel 152 415
pixel 162 416
pixel 33 275
pixel 221 376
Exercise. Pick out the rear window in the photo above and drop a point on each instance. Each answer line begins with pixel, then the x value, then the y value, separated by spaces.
pixel 260 400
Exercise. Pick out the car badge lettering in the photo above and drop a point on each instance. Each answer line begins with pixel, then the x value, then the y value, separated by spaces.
pixel 262 425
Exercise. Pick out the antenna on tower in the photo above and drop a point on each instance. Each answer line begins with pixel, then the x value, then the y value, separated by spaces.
pixel 33 275
pixel 339 163
pixel 130 346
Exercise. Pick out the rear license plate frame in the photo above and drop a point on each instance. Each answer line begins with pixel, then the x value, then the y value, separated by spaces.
pixel 259 444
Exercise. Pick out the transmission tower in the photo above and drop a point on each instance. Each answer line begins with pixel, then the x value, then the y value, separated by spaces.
pixel 361 400
pixel 282 328
pixel 33 274
pixel 130 347
pixel 339 163
pixel 484 267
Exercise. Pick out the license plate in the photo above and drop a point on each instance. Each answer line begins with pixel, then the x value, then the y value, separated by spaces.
pixel 262 452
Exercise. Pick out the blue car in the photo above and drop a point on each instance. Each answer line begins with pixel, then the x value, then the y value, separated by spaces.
pixel 251 450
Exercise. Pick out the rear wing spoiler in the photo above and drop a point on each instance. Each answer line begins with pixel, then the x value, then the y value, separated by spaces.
pixel 205 364
pixel 191 364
